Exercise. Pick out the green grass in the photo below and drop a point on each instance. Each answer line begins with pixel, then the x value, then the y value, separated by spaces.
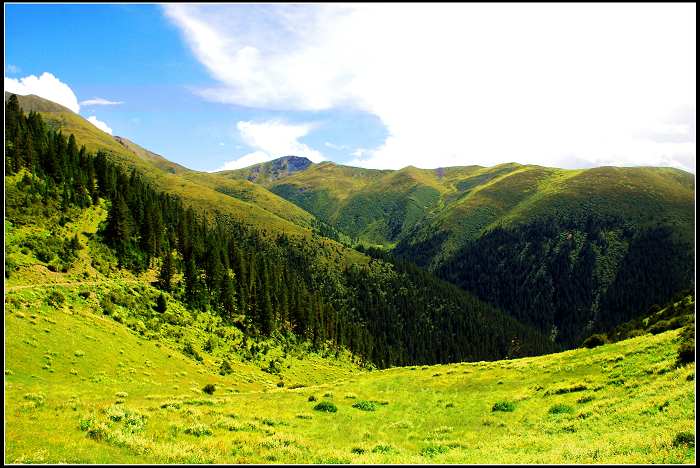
pixel 128 397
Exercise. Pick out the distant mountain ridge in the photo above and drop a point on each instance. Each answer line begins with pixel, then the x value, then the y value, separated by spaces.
pixel 270 171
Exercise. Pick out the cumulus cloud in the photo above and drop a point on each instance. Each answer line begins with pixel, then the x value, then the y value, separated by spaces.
pixel 270 140
pixel 46 86
pixel 100 102
pixel 99 124
pixel 455 84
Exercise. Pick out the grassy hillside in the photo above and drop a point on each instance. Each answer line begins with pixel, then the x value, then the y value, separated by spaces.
pixel 84 385
pixel 242 200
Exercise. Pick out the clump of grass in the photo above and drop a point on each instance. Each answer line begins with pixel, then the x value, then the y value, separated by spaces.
pixel 432 450
pixel 365 405
pixel 38 399
pixel 209 389
pixel 328 395
pixel 350 396
pixel 450 405
pixel 280 384
pixel 304 416
pixel 312 398
pixel 55 299
pixel 684 438
pixel 358 450
pixel 384 449
pixel 327 406
pixel 560 408
pixel 585 399
pixel 121 394
pixel 297 385
pixel 79 353
pixel 507 406
pixel 198 430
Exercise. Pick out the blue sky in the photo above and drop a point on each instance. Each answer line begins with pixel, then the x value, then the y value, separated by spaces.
pixel 228 85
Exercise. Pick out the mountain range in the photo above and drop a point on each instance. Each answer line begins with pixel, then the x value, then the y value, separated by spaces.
pixel 566 251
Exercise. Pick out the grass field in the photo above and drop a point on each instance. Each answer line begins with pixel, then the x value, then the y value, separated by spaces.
pixel 82 386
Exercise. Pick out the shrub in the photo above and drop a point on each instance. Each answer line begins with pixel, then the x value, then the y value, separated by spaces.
pixel 686 349
pixel 161 304
pixel 225 367
pixel 684 438
pixel 432 450
pixel 364 405
pixel 190 350
pixel 326 406
pixel 358 450
pixel 560 409
pixel 209 389
pixel 280 384
pixel 506 406
pixel 312 398
pixel 198 430
pixel 37 398
pixel 382 449
pixel 595 340
pixel 55 299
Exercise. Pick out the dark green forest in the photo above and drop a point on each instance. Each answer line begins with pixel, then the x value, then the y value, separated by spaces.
pixel 388 313
pixel 573 278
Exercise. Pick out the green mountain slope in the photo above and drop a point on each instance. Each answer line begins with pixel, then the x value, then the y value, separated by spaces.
pixel 268 283
pixel 569 251
pixel 244 201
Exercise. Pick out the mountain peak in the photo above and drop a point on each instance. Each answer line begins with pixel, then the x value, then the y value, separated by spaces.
pixel 271 170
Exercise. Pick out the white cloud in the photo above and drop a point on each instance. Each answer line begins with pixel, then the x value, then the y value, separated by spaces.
pixel 270 140
pixel 46 86
pixel 98 101
pixel 455 84
pixel 99 124
pixel 10 68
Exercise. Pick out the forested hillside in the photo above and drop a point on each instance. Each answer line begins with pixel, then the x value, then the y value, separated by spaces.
pixel 266 284
pixel 571 252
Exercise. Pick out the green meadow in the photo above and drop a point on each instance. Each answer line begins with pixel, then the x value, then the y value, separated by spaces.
pixel 86 382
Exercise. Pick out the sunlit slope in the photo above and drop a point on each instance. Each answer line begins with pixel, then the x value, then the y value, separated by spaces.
pixel 80 387
pixel 641 196
pixel 248 203
pixel 450 206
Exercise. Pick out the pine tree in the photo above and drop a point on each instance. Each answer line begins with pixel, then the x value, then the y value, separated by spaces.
pixel 166 272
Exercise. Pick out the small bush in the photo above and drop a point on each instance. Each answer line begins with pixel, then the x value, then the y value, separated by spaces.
pixel 358 450
pixel 55 299
pixel 432 450
pixel 684 438
pixel 560 409
pixel 225 367
pixel 327 406
pixel 382 449
pixel 37 398
pixel 595 341
pixel 506 406
pixel 209 389
pixel 312 398
pixel 364 405
pixel 198 430
pixel 280 384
